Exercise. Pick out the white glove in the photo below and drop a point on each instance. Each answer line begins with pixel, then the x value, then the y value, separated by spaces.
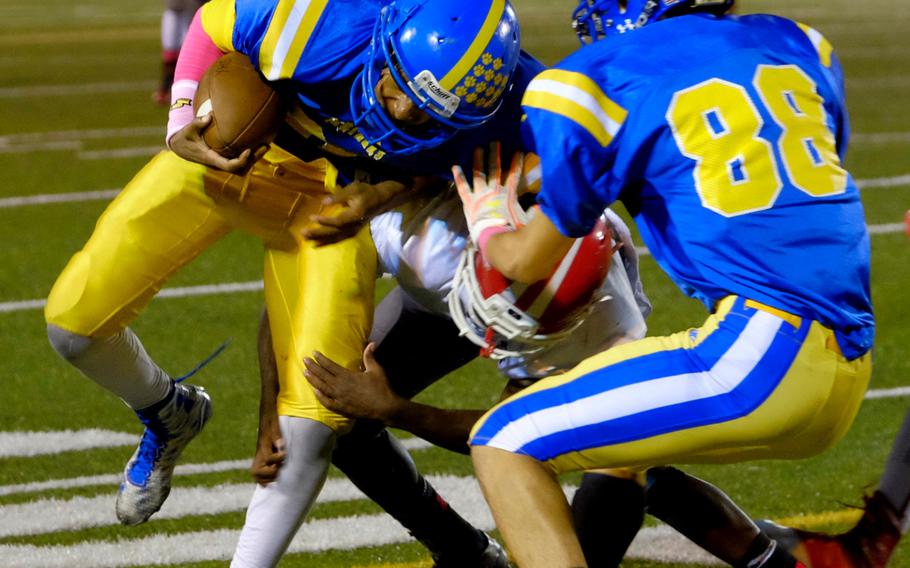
pixel 487 207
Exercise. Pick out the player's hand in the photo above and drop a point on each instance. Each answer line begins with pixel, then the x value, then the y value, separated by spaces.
pixel 358 394
pixel 487 203
pixel 270 451
pixel 345 211
pixel 189 145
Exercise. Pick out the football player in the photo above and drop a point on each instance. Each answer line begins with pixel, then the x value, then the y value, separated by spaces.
pixel 723 136
pixel 532 334
pixel 377 112
pixel 413 331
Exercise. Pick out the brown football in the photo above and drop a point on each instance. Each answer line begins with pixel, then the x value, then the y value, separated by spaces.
pixel 246 110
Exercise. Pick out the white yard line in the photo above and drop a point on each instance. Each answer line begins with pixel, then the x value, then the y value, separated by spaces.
pixel 77 89
pixel 883 182
pixel 256 285
pixel 657 543
pixel 46 198
pixel 411 444
pixel 89 134
pixel 43 199
pixel 344 533
pixel 879 137
pixel 27 444
pixel 131 152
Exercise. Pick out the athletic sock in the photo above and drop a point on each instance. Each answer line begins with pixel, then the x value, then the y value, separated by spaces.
pixel 378 465
pixel 119 363
pixel 608 512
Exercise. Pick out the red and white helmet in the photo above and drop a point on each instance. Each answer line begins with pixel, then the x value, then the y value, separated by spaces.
pixel 510 319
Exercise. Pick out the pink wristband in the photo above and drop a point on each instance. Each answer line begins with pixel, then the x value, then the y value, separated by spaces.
pixel 197 54
pixel 181 112
pixel 486 234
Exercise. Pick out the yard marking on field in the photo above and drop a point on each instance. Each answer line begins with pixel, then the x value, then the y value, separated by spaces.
pixel 131 152
pixel 27 444
pixel 81 37
pixel 37 138
pixel 880 137
pixel 888 393
pixel 345 533
pixel 43 516
pixel 886 182
pixel 77 89
pixel 47 198
pixel 411 444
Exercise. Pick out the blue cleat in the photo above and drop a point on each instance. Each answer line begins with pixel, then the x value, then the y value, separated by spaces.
pixel 147 477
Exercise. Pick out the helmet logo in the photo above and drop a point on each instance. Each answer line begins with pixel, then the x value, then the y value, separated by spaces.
pixel 628 26
pixel 425 83
pixel 484 83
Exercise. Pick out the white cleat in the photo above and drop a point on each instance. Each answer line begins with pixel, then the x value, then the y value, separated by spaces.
pixel 147 477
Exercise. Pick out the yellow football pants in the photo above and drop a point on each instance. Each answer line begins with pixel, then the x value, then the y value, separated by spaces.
pixel 317 298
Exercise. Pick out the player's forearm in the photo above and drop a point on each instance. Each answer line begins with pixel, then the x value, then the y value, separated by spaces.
pixel 529 253
pixel 268 373
pixel 447 428
pixel 196 55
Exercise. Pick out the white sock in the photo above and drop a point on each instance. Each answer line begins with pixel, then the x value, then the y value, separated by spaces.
pixel 119 363
pixel 277 510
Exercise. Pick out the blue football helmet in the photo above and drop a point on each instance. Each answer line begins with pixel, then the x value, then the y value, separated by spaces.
pixel 595 19
pixel 453 59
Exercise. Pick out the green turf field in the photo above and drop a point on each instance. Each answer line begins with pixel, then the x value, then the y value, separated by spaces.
pixel 76 116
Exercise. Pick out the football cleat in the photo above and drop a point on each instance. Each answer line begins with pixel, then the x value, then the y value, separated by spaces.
pixel 147 477
pixel 493 556
pixel 869 544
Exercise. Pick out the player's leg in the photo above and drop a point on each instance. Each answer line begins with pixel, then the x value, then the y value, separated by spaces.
pixel 159 222
pixel 529 507
pixel 416 348
pixel 871 542
pixel 709 518
pixel 751 383
pixel 608 509
pixel 319 299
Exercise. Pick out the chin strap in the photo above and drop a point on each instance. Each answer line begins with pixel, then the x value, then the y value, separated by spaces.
pixel 490 346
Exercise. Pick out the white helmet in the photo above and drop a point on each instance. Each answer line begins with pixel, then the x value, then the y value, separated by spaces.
pixel 510 319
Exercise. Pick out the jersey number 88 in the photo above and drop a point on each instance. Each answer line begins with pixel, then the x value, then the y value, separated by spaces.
pixel 716 123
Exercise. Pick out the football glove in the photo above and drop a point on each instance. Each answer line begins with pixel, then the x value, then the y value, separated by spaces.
pixel 487 205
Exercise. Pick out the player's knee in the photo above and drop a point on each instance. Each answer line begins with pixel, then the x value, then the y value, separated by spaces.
pixel 67 344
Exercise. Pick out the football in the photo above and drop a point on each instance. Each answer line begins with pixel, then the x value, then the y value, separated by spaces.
pixel 246 110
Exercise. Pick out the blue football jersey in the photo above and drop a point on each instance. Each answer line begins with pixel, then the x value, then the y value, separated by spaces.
pixel 723 136
pixel 317 51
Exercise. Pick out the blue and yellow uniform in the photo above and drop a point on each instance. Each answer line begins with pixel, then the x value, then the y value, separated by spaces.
pixel 318 298
pixel 320 52
pixel 729 158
